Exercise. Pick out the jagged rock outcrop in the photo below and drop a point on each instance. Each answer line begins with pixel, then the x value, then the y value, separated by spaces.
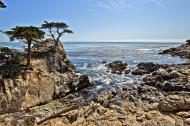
pixel 118 67
pixel 145 68
pixel 181 51
pixel 147 104
pixel 51 76
pixel 162 99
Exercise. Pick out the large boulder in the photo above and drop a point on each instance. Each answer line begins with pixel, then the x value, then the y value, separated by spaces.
pixel 118 67
pixel 188 42
pixel 145 68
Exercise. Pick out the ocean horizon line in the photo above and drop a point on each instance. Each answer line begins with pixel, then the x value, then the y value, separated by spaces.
pixel 123 42
pixel 111 41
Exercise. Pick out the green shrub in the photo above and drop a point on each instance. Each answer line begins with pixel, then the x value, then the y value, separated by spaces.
pixel 5 50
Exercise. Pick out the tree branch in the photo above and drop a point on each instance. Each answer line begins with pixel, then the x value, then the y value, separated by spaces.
pixel 51 34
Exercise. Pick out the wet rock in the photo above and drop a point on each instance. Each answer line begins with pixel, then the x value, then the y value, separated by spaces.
pixel 117 67
pixel 145 68
pixel 104 62
pixel 167 78
pixel 84 82
pixel 167 51
pixel 182 51
pixel 127 71
pixel 166 75
pixel 174 86
pixel 188 42
pixel 138 72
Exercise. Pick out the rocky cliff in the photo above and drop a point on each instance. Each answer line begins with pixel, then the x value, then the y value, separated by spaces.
pixel 51 76
pixel 162 99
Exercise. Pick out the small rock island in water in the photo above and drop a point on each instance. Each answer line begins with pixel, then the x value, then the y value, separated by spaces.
pixel 40 86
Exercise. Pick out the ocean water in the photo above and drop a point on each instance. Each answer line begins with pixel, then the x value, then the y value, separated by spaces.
pixel 88 53
pixel 13 45
pixel 90 58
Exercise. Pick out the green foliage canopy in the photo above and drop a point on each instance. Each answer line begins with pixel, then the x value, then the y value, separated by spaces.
pixel 56 30
pixel 2 5
pixel 25 33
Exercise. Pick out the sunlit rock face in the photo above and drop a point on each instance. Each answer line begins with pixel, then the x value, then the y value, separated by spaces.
pixel 51 76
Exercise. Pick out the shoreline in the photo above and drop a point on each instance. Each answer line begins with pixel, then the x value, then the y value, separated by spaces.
pixel 162 99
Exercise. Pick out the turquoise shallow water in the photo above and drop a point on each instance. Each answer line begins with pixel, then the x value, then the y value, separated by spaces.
pixel 88 58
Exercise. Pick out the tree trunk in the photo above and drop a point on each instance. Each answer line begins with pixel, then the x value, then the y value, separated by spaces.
pixel 56 43
pixel 29 54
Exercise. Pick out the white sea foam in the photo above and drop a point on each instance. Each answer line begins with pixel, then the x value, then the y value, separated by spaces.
pixel 107 81
pixel 144 49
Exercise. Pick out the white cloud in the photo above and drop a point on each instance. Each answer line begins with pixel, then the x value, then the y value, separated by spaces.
pixel 121 3
pixel 157 2
pixel 108 3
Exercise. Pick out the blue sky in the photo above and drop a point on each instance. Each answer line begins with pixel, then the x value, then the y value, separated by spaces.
pixel 104 20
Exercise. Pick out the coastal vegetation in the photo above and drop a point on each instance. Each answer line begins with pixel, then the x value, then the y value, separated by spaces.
pixel 56 30
pixel 28 34
pixel 35 36
pixel 54 93
pixel 2 5
pixel 5 50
